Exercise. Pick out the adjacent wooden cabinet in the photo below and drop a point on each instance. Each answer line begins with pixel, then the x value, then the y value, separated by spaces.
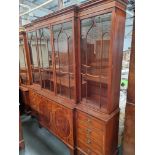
pixel 74 61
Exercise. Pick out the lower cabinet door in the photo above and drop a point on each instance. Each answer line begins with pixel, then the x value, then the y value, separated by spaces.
pixel 44 112
pixel 62 119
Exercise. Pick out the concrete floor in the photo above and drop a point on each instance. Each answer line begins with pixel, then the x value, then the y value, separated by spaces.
pixel 38 141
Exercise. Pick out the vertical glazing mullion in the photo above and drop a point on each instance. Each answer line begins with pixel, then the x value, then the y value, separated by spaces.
pixel 49 65
pixel 42 68
pixel 31 38
pixel 37 50
pixel 49 72
pixel 68 67
pixel 52 39
pixel 101 60
pixel 86 70
pixel 59 58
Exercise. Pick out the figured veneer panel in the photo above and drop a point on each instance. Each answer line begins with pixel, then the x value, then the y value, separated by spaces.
pixel 62 119
pixel 45 108
pixel 56 118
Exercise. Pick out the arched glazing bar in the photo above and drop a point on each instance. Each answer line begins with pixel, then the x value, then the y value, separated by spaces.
pixel 64 59
pixel 95 41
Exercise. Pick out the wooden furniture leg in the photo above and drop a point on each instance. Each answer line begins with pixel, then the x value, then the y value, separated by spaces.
pixel 72 151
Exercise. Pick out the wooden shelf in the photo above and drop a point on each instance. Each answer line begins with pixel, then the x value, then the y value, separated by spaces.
pixel 95 78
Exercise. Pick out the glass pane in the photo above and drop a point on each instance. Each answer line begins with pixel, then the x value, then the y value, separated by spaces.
pixel 95 41
pixel 32 41
pixel 45 58
pixel 22 63
pixel 63 47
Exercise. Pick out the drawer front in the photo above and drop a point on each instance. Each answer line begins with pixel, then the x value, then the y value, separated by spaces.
pixel 89 149
pixel 90 144
pixel 87 135
pixel 96 135
pixel 89 121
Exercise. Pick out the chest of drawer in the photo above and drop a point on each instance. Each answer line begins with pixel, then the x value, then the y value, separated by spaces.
pixel 89 121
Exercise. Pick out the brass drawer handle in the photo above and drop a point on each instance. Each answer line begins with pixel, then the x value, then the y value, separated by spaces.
pixel 88 135
pixel 88 120
pixel 89 131
pixel 88 141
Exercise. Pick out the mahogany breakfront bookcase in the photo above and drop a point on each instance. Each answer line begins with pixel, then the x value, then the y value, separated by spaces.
pixel 74 60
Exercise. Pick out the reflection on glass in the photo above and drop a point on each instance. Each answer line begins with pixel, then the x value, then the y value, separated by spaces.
pixel 22 63
pixel 32 41
pixel 64 59
pixel 95 41
pixel 45 58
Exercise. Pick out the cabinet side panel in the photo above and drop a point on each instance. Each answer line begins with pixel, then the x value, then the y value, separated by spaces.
pixel 131 86
pixel 111 138
pixel 117 55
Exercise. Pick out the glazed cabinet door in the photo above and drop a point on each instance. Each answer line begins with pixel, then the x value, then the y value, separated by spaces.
pixel 63 55
pixel 95 60
pixel 45 58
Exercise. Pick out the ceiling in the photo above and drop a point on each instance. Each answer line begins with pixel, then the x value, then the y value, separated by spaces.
pixel 51 6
